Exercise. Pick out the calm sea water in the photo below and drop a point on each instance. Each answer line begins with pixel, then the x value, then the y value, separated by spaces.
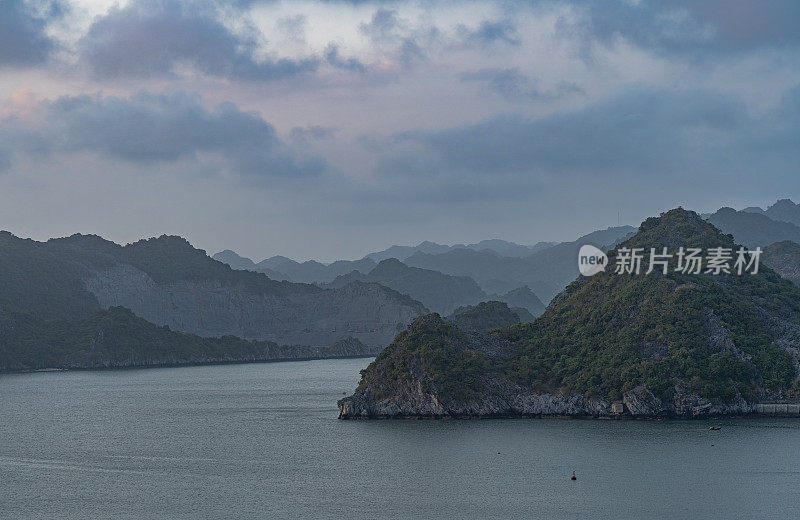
pixel 263 441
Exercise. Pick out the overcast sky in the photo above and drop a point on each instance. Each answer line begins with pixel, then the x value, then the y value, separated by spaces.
pixel 331 129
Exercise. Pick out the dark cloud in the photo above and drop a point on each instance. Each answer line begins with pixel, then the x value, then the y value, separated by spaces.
pixel 334 59
pixel 150 38
pixel 515 86
pixel 648 136
pixel 407 43
pixel 382 26
pixel 147 128
pixel 488 32
pixel 23 40
pixel 689 27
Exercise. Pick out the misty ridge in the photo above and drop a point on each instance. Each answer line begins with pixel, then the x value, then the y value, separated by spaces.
pixel 84 301
pixel 495 268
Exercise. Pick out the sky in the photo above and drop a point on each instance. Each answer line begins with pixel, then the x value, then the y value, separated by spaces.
pixel 331 129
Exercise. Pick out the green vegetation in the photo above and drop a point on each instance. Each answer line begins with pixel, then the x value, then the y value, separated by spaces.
pixel 170 259
pixel 433 353
pixel 38 281
pixel 483 317
pixel 110 338
pixel 712 336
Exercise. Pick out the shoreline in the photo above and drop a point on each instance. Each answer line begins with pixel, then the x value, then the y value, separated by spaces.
pixel 46 370
pixel 628 417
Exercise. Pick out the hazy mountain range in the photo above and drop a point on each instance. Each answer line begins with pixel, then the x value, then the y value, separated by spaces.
pixel 86 301
pixel 168 282
pixel 545 269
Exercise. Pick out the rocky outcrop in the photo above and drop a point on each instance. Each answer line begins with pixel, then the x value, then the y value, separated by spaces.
pixel 503 399
pixel 784 258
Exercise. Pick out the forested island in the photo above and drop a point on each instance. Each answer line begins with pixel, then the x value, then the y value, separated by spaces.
pixel 655 345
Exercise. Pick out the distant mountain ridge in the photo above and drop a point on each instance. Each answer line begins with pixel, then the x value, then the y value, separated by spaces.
pixel 438 292
pixel 754 229
pixel 168 282
pixel 498 266
pixel 546 272
pixel 283 268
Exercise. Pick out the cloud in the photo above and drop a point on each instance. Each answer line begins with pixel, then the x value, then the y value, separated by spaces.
pixel 334 59
pixel 23 37
pixel 647 136
pixel 687 27
pixel 515 86
pixel 152 38
pixel 400 39
pixel 294 27
pixel 489 32
pixel 312 133
pixel 146 129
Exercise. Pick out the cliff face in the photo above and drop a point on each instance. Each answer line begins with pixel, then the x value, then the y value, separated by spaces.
pixel 503 399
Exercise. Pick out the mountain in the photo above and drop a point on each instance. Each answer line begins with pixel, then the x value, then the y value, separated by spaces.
pixel 523 297
pixel 234 260
pixel 785 211
pixel 115 337
pixel 168 282
pixel 546 271
pixel 647 345
pixel 501 247
pixel 403 252
pixel 315 272
pixel 273 262
pixel 438 292
pixel 754 229
pixel 784 258
pixel 504 248
pixel 483 317
pixel 285 269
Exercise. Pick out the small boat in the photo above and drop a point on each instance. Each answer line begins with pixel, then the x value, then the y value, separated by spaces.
pixel 715 428
pixel 573 476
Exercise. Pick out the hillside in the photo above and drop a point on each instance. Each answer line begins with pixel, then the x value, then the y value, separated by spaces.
pixel 117 338
pixel 168 282
pixel 754 229
pixel 678 344
pixel 483 317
